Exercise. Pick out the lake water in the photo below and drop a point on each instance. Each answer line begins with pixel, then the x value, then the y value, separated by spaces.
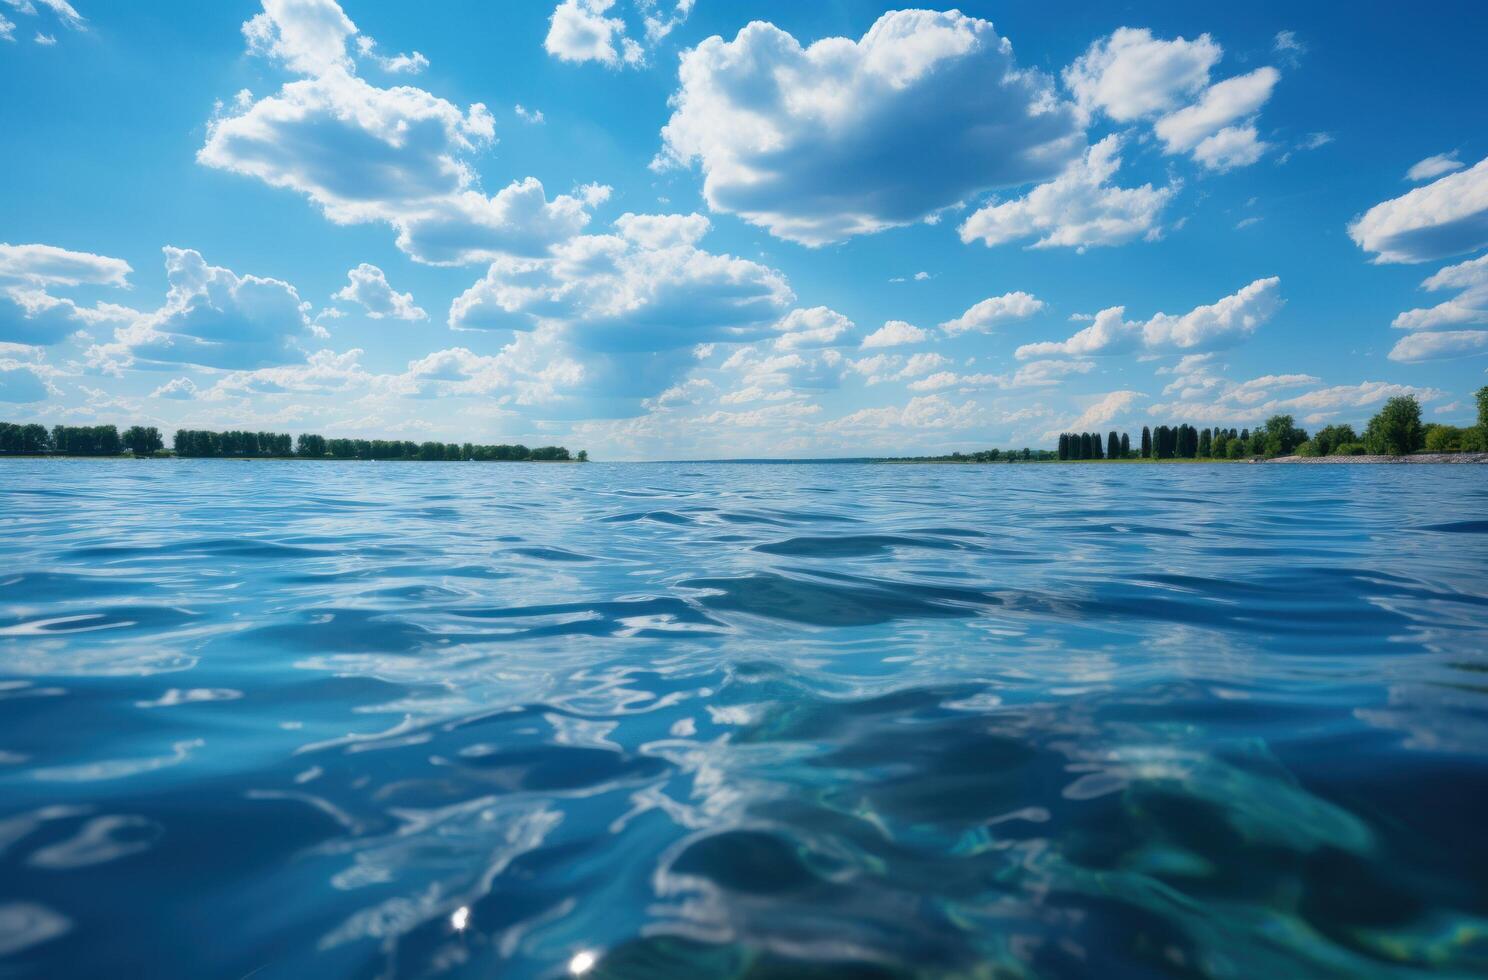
pixel 291 719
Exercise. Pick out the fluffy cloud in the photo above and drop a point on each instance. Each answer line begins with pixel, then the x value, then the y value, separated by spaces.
pixel 368 286
pixel 398 64
pixel 215 318
pixel 1079 208
pixel 1255 400
pixel 1435 346
pixel 580 31
pixel 1205 127
pixel 367 154
pixel 1221 324
pixel 1434 166
pixel 7 29
pixel 1446 217
pixel 395 155
pixel 618 293
pixel 850 137
pixel 48 265
pixel 993 311
pixel 1231 147
pixel 1470 278
pixel 1105 408
pixel 33 317
pixel 662 230
pixel 308 36
pixel 1039 374
pixel 583 30
pixel 177 389
pixel 1132 75
pixel 895 367
pixel 815 327
pixel 29 314
pixel 950 379
pixel 894 333
pixel 775 376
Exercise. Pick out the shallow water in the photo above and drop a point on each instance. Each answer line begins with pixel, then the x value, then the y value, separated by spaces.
pixel 291 719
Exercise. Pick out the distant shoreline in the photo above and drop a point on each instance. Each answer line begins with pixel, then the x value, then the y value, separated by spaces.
pixel 271 459
pixel 1414 458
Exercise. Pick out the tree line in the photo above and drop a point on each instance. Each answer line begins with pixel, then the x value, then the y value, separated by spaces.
pixel 33 439
pixel 1395 430
pixel 1024 455
pixel 312 446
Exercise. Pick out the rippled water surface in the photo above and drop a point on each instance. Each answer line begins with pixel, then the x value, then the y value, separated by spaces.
pixel 291 719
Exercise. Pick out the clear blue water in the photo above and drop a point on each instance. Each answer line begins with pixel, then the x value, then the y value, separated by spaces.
pixel 351 720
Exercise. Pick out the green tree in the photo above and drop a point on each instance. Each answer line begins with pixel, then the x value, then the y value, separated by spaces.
pixel 143 441
pixel 310 446
pixel 1113 446
pixel 1396 430
pixel 1125 446
pixel 1146 443
pixel 1280 437
pixel 1327 439
pixel 1445 438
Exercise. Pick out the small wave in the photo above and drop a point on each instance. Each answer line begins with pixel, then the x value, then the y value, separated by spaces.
pixel 851 545
pixel 551 554
pixel 1459 527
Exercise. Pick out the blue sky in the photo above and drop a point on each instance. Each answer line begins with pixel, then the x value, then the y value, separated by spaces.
pixel 656 229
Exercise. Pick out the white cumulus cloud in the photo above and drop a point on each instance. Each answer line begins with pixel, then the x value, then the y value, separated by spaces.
pixel 214 318
pixel 1133 75
pixel 993 311
pixel 1077 209
pixel 894 333
pixel 579 30
pixel 847 137
pixel 1470 305
pixel 368 287
pixel 1106 408
pixel 364 153
pixel 1207 127
pixel 649 288
pixel 48 265
pixel 818 326
pixel 1209 327
pixel 1446 217
pixel 1438 345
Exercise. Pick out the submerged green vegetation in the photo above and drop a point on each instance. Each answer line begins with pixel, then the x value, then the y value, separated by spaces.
pixel 145 441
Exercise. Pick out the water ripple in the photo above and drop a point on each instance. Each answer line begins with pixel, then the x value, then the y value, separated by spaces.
pixel 355 720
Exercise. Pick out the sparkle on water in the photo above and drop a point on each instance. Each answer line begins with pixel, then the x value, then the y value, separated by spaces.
pixel 353 720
